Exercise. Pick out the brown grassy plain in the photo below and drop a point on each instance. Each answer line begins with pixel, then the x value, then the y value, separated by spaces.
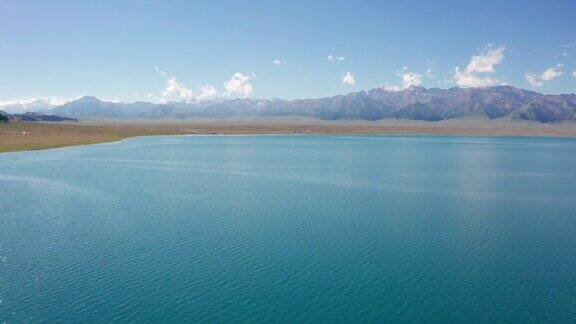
pixel 18 136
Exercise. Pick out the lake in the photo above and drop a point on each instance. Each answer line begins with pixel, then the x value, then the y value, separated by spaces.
pixel 291 229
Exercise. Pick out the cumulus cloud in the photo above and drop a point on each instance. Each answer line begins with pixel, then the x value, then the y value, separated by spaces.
pixel 479 70
pixel 411 79
pixel 574 74
pixel 467 80
pixel 207 92
pixel 32 104
pixel 533 80
pixel 55 101
pixel 278 62
pixel 239 85
pixel 551 73
pixel 485 63
pixel 174 90
pixel 349 79
pixel 333 57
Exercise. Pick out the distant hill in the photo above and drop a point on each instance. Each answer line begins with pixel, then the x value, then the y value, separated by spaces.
pixel 414 103
pixel 33 117
pixel 4 117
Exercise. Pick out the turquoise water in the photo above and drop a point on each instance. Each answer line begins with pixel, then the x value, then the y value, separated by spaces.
pixel 291 229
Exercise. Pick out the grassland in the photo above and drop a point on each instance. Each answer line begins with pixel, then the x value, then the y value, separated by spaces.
pixel 18 136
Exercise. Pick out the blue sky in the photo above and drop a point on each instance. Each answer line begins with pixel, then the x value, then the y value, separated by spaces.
pixel 157 50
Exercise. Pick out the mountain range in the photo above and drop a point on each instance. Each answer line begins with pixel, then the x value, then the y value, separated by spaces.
pixel 414 103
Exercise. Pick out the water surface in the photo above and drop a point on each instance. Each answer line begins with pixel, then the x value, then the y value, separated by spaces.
pixel 291 229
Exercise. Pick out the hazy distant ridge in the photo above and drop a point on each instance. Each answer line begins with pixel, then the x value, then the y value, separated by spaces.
pixel 414 103
pixel 34 117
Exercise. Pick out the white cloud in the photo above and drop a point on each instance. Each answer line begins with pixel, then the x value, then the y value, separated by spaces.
pixel 551 73
pixel 278 62
pixel 533 80
pixel 156 98
pixel 574 74
pixel 486 62
pixel 55 101
pixel 208 91
pixel 32 104
pixel 114 100
pixel 430 74
pixel 51 101
pixel 349 79
pixel 160 71
pixel 239 85
pixel 16 102
pixel 479 70
pixel 174 90
pixel 392 88
pixel 410 79
pixel 466 80
pixel 333 57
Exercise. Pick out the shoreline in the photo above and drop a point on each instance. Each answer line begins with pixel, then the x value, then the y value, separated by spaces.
pixel 28 136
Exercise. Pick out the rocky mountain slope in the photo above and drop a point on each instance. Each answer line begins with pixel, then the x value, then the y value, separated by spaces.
pixel 414 103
